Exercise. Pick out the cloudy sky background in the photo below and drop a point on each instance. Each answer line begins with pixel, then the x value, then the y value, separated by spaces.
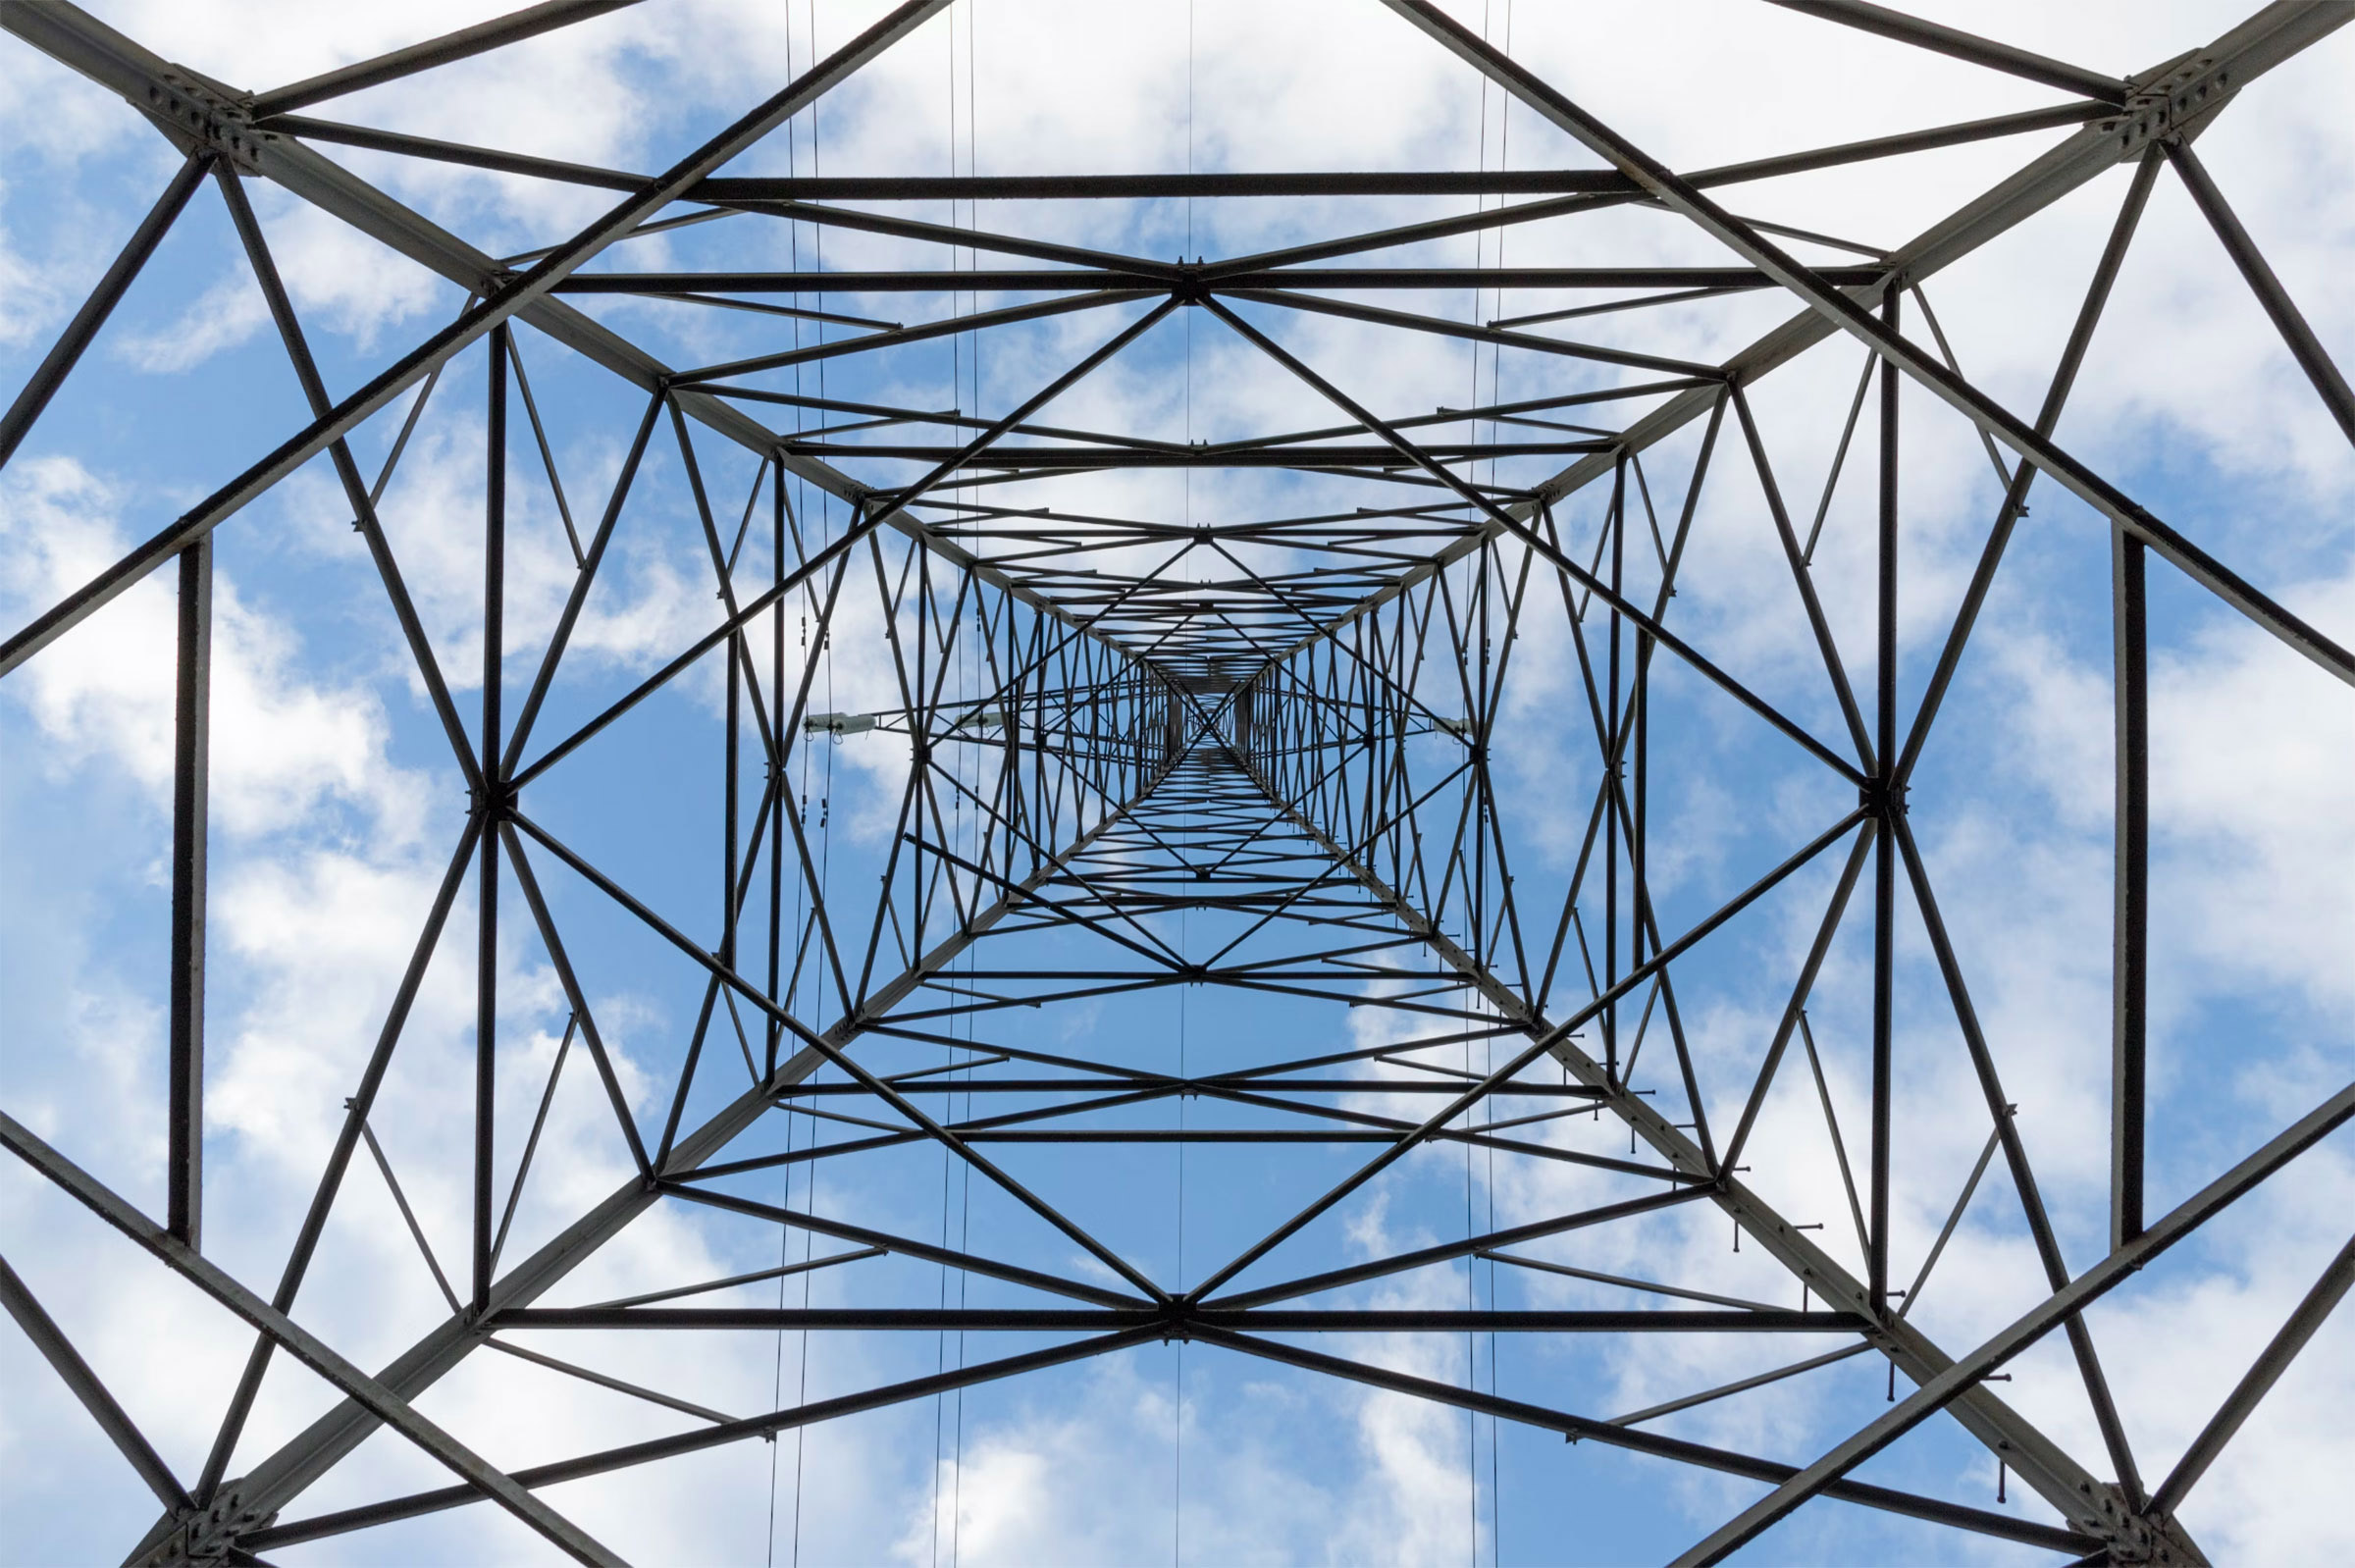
pixel 334 809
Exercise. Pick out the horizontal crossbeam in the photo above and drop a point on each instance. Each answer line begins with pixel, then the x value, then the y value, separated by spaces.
pixel 1180 1325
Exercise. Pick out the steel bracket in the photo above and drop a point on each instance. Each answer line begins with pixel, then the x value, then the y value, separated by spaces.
pixel 207 1535
pixel 2177 100
pixel 197 117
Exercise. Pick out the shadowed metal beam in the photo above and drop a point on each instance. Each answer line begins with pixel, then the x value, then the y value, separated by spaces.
pixel 378 1400
pixel 2068 1302
pixel 2257 1382
pixel 2287 318
pixel 64 31
pixel 63 355
pixel 51 1341
pixel 1130 186
pixel 2035 1457
pixel 310 1453
pixel 2131 920
pixel 1061 1320
pixel 2024 475
pixel 609 1460
pixel 2182 88
pixel 1505 520
pixel 1838 309
pixel 1957 44
pixel 1019 280
pixel 514 28
pixel 1588 1428
pixel 191 767
pixel 88 46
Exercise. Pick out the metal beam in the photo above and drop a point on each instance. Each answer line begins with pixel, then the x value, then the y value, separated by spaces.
pixel 58 1350
pixel 497 33
pixel 609 1460
pixel 2287 318
pixel 2270 1363
pixel 67 352
pixel 2024 475
pixel 298 1463
pixel 1322 455
pixel 378 1400
pixel 1884 848
pixel 1093 1320
pixel 2084 1500
pixel 1967 1373
pixel 2130 937
pixel 69 35
pixel 1587 1429
pixel 741 193
pixel 1021 279
pixel 2184 90
pixel 1844 313
pixel 191 767
pixel 491 806
pixel 1957 44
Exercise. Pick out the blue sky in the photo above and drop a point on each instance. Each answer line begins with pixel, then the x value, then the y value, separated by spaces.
pixel 337 808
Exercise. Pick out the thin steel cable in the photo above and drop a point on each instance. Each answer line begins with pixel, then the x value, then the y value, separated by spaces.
pixel 1178 1394
pixel 1505 144
pixel 940 1341
pixel 785 1235
pixel 964 1221
pixel 801 805
pixel 825 812
pixel 972 360
pixel 1505 149
pixel 1470 1266
pixel 1178 1405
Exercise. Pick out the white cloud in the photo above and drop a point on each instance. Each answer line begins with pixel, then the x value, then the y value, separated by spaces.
pixel 282 748
pixel 227 315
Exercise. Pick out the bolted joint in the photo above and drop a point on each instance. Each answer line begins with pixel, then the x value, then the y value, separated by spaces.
pixel 2132 1536
pixel 197 119
pixel 2144 1539
pixel 2176 106
pixel 1191 288
pixel 1875 795
pixel 207 1535
pixel 498 794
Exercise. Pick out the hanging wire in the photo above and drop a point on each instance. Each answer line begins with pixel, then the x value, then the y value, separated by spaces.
pixel 1178 1405
pixel 965 1219
pixel 940 1343
pixel 1178 1397
pixel 972 359
pixel 1479 243
pixel 825 809
pixel 801 807
pixel 1504 146
pixel 784 1234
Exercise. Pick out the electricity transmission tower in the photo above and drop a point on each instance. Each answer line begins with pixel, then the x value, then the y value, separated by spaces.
pixel 1153 756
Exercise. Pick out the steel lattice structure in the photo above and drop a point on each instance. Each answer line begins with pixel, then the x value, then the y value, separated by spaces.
pixel 1275 730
